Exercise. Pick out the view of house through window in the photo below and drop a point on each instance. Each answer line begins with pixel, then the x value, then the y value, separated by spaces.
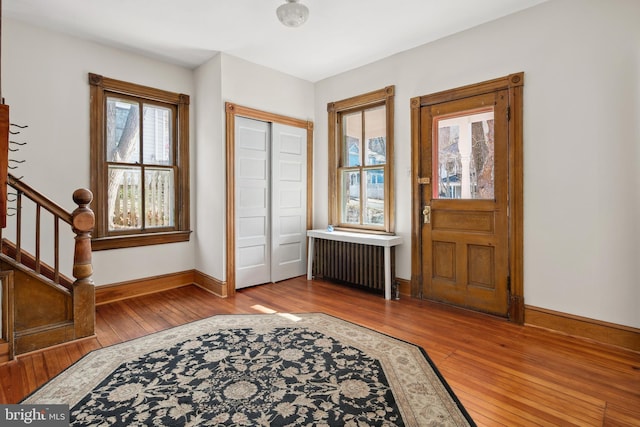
pixel 363 169
pixel 361 161
pixel 465 156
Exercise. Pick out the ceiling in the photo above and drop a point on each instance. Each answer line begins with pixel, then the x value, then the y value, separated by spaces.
pixel 339 35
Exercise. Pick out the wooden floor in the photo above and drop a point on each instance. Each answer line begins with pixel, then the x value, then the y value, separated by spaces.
pixel 504 374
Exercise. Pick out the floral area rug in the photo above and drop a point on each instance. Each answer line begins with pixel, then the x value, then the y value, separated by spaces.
pixel 257 370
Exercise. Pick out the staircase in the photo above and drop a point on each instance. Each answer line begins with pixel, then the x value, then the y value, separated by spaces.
pixel 40 306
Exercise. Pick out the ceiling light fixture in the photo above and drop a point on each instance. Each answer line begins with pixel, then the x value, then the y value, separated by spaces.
pixel 292 13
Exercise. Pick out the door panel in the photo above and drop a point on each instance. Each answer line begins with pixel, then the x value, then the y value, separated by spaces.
pixel 253 228
pixel 289 183
pixel 464 152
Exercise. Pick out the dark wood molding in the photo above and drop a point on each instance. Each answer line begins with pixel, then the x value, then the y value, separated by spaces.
pixel 118 242
pixel 265 116
pixel 95 79
pixel 210 284
pixel 133 288
pixel 7 315
pixel 230 185
pixel 43 337
pixel 126 88
pixel 52 348
pixel 516 198
pixel 309 175
pixel 364 99
pixel 404 287
pixel 583 327
pixel 416 236
pixel 4 162
pixel 508 82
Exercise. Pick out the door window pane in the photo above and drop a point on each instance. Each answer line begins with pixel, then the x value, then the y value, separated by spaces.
pixel 123 131
pixel 374 197
pixel 464 156
pixel 351 197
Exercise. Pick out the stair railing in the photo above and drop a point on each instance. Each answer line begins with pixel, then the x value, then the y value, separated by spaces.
pixel 81 221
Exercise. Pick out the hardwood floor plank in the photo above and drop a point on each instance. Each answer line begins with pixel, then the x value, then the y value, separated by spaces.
pixel 40 369
pixel 621 416
pixel 124 327
pixel 504 409
pixel 528 396
pixel 105 335
pixel 504 374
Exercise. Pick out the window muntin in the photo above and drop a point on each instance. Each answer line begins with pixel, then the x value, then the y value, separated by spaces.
pixel 140 168
pixel 361 172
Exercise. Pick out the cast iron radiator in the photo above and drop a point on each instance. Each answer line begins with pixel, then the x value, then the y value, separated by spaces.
pixel 351 263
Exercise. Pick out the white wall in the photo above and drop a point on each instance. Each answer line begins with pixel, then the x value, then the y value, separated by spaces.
pixel 209 189
pixel 581 60
pixel 223 79
pixel 45 83
pixel 255 86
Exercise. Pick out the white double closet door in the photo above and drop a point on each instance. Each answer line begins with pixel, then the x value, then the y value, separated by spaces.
pixel 271 201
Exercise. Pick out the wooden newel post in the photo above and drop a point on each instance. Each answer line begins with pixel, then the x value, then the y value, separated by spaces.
pixel 84 299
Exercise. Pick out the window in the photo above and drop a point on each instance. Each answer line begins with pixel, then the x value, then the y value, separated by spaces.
pixel 463 155
pixel 361 162
pixel 139 164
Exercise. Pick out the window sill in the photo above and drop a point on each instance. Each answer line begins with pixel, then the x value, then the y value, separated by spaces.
pixel 119 242
pixel 363 231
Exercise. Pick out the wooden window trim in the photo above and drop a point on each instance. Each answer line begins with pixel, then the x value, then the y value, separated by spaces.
pixel 385 97
pixel 101 240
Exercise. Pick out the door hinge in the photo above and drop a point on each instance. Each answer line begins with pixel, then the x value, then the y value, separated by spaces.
pixel 509 284
pixel 509 113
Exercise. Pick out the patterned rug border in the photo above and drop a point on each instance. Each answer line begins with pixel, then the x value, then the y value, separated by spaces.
pixel 100 364
pixel 426 356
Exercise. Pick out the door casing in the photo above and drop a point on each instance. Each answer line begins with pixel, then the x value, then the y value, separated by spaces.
pixel 232 110
pixel 513 84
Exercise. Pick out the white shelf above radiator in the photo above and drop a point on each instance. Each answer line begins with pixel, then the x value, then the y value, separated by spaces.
pixel 361 238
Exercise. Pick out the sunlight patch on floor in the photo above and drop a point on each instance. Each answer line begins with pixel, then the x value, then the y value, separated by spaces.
pixel 266 310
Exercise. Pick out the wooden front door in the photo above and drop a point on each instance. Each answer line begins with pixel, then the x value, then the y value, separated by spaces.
pixel 462 194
